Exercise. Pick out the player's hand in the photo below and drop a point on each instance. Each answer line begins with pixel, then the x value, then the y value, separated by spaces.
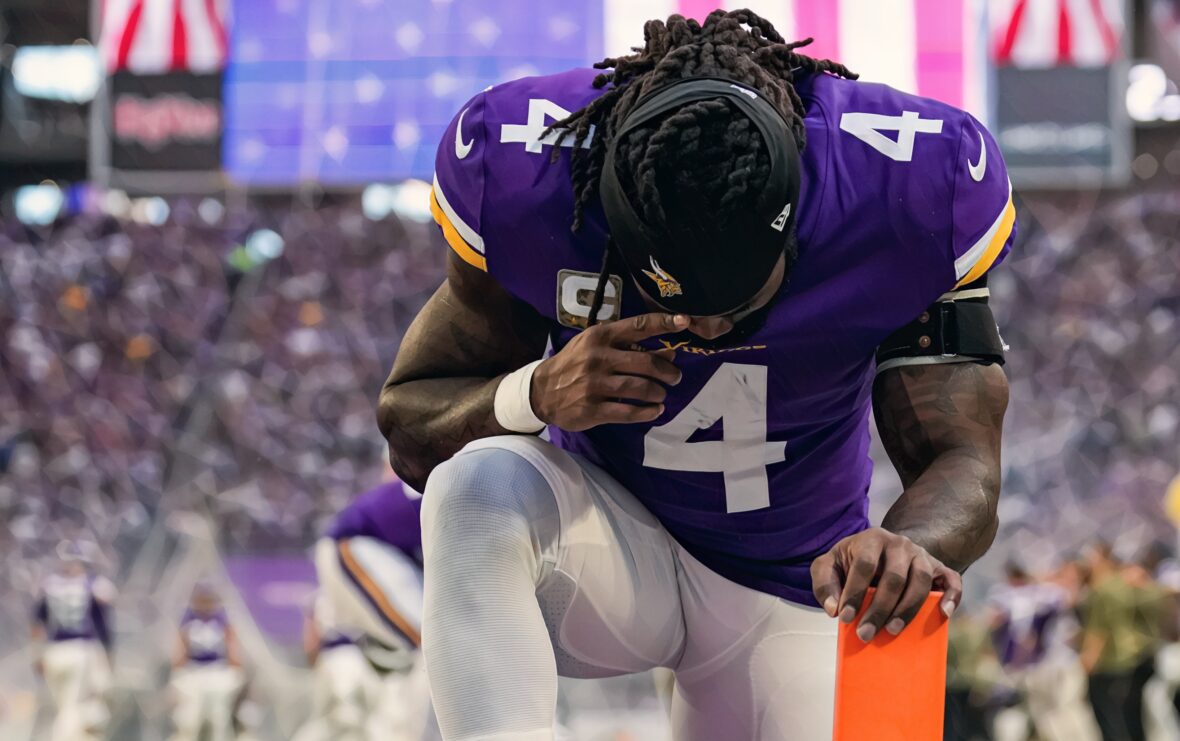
pixel 598 379
pixel 904 574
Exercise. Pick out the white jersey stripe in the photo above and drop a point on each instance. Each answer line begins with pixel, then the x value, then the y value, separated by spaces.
pixel 923 360
pixel 965 294
pixel 467 233
pixel 394 573
pixel 964 264
pixel 863 24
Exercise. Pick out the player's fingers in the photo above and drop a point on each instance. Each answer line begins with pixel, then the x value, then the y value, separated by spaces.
pixel 826 581
pixel 636 328
pixel 860 570
pixel 951 583
pixel 890 586
pixel 639 363
pixel 635 388
pixel 616 412
pixel 921 577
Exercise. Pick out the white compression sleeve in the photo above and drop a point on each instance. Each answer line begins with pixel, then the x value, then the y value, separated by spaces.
pixel 488 654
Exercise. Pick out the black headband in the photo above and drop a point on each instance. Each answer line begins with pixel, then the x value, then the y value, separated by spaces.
pixel 707 279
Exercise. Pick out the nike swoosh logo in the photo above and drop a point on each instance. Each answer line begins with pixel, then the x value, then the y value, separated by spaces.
pixel 979 167
pixel 462 149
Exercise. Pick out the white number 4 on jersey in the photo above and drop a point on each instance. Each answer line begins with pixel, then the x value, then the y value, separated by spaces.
pixel 736 395
pixel 532 134
pixel 868 127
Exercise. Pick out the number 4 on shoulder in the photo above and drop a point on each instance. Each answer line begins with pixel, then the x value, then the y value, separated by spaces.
pixel 532 134
pixel 868 127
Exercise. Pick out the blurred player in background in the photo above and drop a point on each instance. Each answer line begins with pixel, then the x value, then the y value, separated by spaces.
pixel 207 677
pixel 762 251
pixel 346 686
pixel 72 629
pixel 1035 635
pixel 972 676
pixel 369 566
pixel 1122 621
pixel 1161 695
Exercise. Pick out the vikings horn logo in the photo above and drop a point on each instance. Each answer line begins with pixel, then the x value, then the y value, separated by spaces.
pixel 668 285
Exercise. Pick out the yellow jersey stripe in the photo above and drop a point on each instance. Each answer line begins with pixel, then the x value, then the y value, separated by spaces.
pixel 469 235
pixel 994 247
pixel 461 248
pixel 965 262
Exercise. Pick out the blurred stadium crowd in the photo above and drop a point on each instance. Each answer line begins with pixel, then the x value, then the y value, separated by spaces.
pixel 1089 302
pixel 138 359
pixel 228 358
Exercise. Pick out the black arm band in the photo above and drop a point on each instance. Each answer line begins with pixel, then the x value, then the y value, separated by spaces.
pixel 953 329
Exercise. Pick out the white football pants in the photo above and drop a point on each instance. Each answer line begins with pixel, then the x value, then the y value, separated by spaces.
pixel 375 589
pixel 78 676
pixel 206 696
pixel 344 693
pixel 539 563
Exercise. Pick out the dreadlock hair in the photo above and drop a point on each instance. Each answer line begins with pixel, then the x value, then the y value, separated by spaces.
pixel 690 172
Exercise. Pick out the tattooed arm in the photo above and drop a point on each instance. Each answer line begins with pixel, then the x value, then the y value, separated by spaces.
pixel 440 392
pixel 941 425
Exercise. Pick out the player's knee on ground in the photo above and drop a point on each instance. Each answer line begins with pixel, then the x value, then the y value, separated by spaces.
pixel 488 504
pixel 484 520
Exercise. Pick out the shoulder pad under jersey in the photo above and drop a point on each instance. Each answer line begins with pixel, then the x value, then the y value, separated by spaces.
pixel 496 189
pixel 922 173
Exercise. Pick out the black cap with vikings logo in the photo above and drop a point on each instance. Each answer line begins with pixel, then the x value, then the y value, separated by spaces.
pixel 704 278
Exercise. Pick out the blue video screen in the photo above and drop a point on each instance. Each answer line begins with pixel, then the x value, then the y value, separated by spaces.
pixel 347 92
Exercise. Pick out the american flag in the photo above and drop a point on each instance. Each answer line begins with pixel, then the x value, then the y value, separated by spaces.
pixel 929 43
pixel 1055 33
pixel 155 36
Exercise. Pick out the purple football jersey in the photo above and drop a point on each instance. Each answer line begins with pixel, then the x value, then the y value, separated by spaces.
pixel 760 461
pixel 1027 618
pixel 389 513
pixel 74 608
pixel 205 635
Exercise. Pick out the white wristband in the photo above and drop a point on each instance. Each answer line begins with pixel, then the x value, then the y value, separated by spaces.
pixel 514 410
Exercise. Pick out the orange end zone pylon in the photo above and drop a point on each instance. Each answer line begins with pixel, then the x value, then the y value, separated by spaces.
pixel 894 687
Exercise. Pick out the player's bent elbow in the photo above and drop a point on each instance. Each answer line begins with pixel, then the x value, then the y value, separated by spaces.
pixel 414 478
pixel 981 520
pixel 413 470
pixel 387 404
pixel 411 462
pixel 983 543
